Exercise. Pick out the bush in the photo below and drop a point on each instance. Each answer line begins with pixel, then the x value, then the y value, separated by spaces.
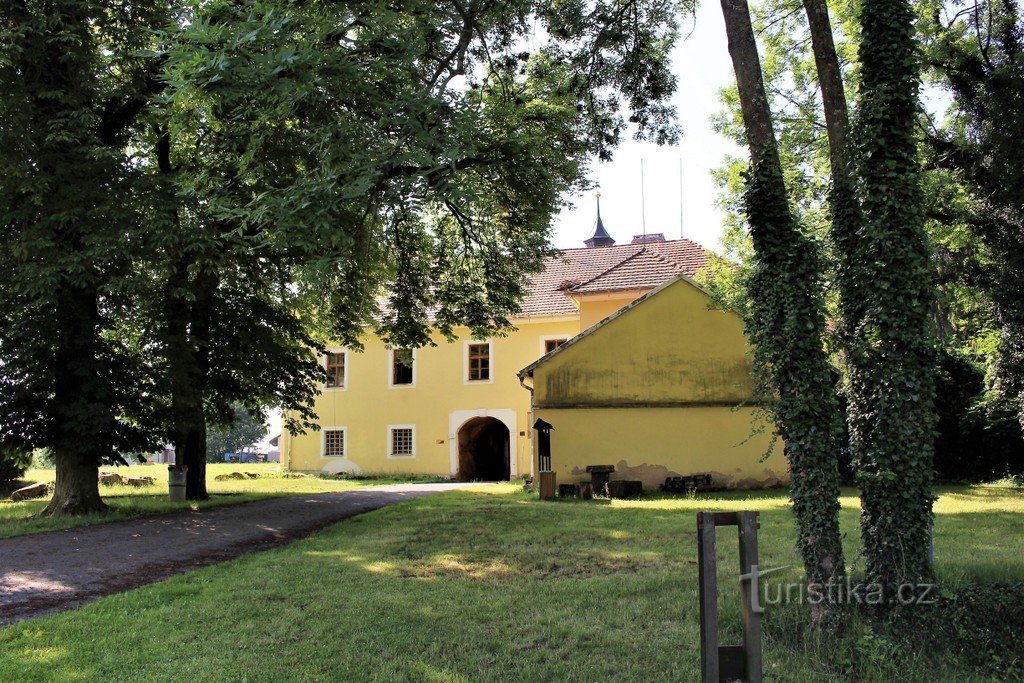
pixel 978 437
pixel 979 625
pixel 13 462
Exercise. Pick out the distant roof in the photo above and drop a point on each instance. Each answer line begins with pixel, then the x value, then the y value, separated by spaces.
pixel 608 269
pixel 647 239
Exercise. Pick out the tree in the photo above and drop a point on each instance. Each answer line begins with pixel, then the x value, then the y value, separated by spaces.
pixel 247 429
pixel 169 176
pixel 786 322
pixel 427 195
pixel 71 87
pixel 890 347
pixel 978 55
pixel 218 309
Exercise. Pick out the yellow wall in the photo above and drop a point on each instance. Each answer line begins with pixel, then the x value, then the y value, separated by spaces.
pixel 596 307
pixel 654 391
pixel 650 444
pixel 668 348
pixel 437 405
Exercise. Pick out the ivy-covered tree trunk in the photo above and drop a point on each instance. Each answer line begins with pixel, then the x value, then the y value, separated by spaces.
pixel 890 346
pixel 787 323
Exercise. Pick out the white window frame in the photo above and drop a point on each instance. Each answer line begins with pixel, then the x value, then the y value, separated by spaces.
pixel 551 337
pixel 344 442
pixel 323 364
pixel 390 443
pixel 490 361
pixel 391 367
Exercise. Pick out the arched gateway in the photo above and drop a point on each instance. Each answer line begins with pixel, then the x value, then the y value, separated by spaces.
pixel 484 452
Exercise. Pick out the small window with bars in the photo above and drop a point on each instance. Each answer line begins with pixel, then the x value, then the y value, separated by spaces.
pixel 479 362
pixel 552 344
pixel 334 443
pixel 335 366
pixel 401 367
pixel 402 442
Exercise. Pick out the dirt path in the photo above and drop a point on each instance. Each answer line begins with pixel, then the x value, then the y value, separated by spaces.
pixel 52 572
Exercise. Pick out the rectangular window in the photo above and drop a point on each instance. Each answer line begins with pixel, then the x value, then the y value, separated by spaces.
pixel 334 443
pixel 479 362
pixel 552 344
pixel 401 366
pixel 402 442
pixel 335 366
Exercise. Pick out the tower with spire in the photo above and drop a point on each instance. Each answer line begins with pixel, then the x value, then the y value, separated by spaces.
pixel 601 238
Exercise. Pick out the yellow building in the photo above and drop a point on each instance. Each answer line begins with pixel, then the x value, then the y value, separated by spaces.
pixel 661 388
pixel 458 409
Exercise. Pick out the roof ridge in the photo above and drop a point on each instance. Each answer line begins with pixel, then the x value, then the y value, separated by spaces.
pixel 630 244
pixel 610 269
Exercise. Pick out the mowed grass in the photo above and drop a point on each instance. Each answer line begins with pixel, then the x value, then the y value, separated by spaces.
pixel 486 584
pixel 17 519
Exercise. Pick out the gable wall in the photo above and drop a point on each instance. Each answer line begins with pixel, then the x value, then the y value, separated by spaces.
pixel 670 349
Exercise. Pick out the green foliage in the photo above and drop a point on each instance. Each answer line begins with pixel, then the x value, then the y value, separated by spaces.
pixel 433 193
pixel 247 428
pixel 978 54
pixel 14 461
pixel 69 87
pixel 978 437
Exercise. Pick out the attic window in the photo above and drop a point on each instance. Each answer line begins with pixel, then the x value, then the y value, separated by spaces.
pixel 552 344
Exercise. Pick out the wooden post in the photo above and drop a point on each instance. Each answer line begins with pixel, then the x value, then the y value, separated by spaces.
pixel 729 662
pixel 707 573
pixel 750 594
pixel 546 485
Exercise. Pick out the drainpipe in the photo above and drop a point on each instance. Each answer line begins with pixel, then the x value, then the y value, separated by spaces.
pixel 529 420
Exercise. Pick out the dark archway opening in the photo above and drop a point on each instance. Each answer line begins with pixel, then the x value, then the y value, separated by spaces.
pixel 484 450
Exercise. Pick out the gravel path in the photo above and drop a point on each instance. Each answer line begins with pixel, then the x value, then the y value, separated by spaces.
pixel 56 571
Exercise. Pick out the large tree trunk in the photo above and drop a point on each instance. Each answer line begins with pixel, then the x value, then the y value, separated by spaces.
pixel 76 491
pixel 82 425
pixel 891 354
pixel 188 313
pixel 188 302
pixel 787 324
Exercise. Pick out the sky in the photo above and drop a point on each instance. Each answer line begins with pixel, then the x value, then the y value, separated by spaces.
pixel 702 65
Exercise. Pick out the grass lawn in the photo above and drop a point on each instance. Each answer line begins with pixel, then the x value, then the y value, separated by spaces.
pixel 489 584
pixel 17 519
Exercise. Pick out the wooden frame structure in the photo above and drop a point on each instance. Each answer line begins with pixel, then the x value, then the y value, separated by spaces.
pixel 729 662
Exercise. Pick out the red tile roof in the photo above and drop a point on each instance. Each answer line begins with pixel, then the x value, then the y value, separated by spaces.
pixel 608 269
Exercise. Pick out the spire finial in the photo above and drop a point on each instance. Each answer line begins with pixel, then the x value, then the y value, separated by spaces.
pixel 601 237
